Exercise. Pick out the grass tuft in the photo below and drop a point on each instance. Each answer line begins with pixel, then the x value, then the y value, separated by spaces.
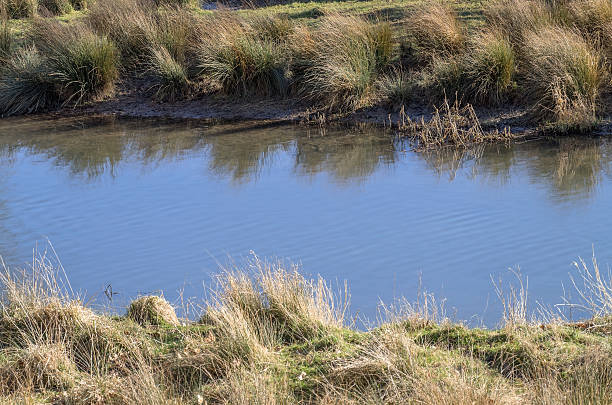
pixel 434 31
pixel 25 84
pixel 235 58
pixel 339 63
pixel 152 310
pixel 564 75
pixel 82 64
pixel 490 68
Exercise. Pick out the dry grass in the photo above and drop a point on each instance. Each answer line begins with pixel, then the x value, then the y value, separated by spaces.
pixel 451 124
pixel 338 64
pixel 434 31
pixel 564 75
pixel 152 310
pixel 270 336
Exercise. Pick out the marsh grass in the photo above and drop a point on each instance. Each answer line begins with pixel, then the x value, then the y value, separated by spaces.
pixel 396 87
pixel 434 31
pixel 130 24
pixel 490 68
pixel 564 75
pixel 269 335
pixel 83 65
pixel 241 60
pixel 340 61
pixel 25 84
pixel 549 58
pixel 170 78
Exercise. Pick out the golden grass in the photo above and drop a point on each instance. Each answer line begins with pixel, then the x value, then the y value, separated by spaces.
pixel 270 336
pixel 557 54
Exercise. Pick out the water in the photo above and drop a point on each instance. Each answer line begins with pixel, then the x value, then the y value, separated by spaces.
pixel 147 206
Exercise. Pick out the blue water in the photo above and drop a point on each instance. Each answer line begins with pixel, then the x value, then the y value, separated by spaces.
pixel 146 206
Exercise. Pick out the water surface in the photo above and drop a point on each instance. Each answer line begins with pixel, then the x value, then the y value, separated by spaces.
pixel 148 206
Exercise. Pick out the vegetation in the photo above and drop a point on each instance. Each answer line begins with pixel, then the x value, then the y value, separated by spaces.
pixel 269 335
pixel 551 58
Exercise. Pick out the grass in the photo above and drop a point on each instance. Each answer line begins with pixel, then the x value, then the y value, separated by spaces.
pixel 332 57
pixel 26 85
pixel 242 61
pixel 338 64
pixel 269 335
pixel 565 77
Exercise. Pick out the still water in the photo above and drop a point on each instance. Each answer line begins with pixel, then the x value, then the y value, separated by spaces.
pixel 149 206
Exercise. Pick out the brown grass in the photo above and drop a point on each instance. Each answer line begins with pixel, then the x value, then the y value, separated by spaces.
pixel 270 336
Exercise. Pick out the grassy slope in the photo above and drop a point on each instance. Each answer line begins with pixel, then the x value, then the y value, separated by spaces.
pixel 269 336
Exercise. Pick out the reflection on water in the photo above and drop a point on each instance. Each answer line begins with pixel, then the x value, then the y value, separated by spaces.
pixel 570 167
pixel 151 204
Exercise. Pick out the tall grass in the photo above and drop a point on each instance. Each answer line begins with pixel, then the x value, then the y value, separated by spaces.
pixel 339 63
pixel 490 68
pixel 434 31
pixel 241 61
pixel 25 84
pixel 130 24
pixel 170 78
pixel 514 18
pixel 564 75
pixel 268 335
pixel 83 64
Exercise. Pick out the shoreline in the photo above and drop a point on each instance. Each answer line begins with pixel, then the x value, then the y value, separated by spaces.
pixel 217 109
pixel 269 335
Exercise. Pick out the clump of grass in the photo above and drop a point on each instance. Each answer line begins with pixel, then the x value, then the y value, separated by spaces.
pixel 452 125
pixel 594 19
pixel 514 18
pixel 55 7
pixel 564 75
pixel 130 24
pixel 83 64
pixel 339 63
pixel 396 87
pixel 19 8
pixel 442 77
pixel 490 68
pixel 152 310
pixel 25 84
pixel 37 367
pixel 178 31
pixel 233 57
pixel 434 31
pixel 273 28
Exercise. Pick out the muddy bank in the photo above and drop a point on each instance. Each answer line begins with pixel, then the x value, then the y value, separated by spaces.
pixel 131 105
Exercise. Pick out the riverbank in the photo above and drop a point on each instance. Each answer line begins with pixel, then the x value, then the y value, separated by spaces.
pixel 526 65
pixel 269 335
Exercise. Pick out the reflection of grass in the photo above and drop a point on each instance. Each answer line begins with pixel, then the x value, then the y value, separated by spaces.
pixel 571 167
pixel 268 335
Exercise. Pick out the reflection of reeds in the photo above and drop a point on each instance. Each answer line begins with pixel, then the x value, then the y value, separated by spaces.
pixel 572 167
pixel 345 157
